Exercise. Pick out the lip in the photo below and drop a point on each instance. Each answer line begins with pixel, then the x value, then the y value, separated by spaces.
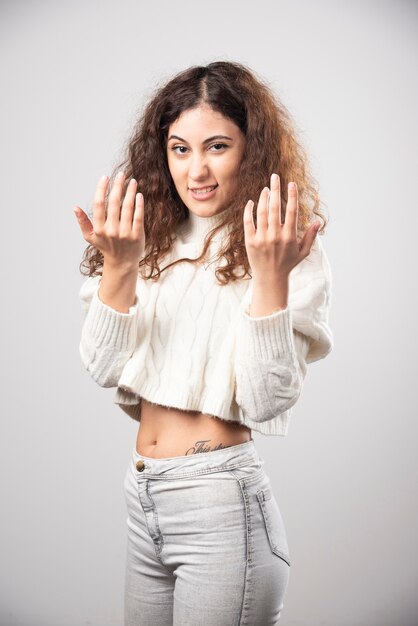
pixel 203 196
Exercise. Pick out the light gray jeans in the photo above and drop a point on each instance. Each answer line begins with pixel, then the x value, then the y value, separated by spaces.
pixel 206 541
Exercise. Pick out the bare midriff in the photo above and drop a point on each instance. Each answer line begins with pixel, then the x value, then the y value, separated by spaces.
pixel 168 432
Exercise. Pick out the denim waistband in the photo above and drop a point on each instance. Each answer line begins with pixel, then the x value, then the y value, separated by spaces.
pixel 230 457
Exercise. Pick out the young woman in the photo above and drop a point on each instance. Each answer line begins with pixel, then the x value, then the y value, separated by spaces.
pixel 203 311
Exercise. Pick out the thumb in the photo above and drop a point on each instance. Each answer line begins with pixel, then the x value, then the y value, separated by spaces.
pixel 309 238
pixel 84 223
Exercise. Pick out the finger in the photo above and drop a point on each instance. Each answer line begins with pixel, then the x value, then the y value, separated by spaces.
pixel 274 204
pixel 249 228
pixel 262 210
pixel 291 217
pixel 115 198
pixel 308 239
pixel 85 224
pixel 128 207
pixel 138 218
pixel 99 203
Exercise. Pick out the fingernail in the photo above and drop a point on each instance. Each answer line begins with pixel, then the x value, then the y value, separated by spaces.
pixel 120 175
pixel 274 178
pixel 292 186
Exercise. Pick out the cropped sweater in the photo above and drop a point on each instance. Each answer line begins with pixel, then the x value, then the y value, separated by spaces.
pixel 188 342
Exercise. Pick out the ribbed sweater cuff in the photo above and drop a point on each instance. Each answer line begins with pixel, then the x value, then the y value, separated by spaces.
pixel 267 337
pixel 109 327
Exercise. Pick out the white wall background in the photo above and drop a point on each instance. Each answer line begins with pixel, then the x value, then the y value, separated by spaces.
pixel 73 76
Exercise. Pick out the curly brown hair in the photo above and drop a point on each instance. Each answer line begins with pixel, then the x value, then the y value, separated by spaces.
pixel 271 145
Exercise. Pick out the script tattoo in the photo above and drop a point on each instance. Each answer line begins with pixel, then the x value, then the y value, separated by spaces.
pixel 200 447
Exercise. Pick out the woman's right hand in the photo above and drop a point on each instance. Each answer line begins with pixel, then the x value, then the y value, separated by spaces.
pixel 119 235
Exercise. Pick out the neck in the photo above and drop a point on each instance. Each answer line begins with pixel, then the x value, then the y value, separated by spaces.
pixel 195 227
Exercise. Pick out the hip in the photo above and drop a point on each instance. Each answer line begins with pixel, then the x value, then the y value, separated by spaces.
pixel 224 494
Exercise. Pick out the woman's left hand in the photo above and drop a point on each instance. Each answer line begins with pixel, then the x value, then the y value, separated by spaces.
pixel 272 248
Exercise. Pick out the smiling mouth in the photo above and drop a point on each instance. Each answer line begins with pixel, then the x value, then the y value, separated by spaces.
pixel 203 190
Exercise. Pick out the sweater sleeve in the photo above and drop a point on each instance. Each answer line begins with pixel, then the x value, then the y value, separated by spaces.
pixel 108 336
pixel 272 352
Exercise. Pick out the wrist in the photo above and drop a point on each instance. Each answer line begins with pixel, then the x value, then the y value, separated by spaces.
pixel 121 268
pixel 269 296
pixel 271 281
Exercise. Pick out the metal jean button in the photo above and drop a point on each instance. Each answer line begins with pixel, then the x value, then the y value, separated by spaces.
pixel 140 466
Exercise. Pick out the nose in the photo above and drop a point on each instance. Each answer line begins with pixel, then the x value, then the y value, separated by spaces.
pixel 198 169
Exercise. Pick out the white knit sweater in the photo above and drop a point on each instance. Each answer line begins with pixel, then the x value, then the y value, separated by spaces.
pixel 189 342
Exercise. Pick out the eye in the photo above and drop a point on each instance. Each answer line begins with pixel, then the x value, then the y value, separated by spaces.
pixel 222 145
pixel 175 148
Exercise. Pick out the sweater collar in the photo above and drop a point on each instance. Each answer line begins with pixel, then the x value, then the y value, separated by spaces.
pixel 195 227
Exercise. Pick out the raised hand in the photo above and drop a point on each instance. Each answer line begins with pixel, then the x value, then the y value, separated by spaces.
pixel 119 234
pixel 272 248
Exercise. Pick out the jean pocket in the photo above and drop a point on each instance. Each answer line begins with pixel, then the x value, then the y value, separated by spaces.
pixel 274 523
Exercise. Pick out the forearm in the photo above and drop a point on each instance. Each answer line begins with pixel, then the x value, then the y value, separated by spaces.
pixel 118 286
pixel 269 363
pixel 269 296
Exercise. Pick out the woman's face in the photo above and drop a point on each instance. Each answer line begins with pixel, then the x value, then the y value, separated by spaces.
pixel 205 149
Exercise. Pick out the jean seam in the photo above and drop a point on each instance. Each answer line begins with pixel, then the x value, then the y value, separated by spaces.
pixel 248 524
pixel 157 549
pixel 157 526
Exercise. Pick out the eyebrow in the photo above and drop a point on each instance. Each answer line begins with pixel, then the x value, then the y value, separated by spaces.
pixel 205 141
